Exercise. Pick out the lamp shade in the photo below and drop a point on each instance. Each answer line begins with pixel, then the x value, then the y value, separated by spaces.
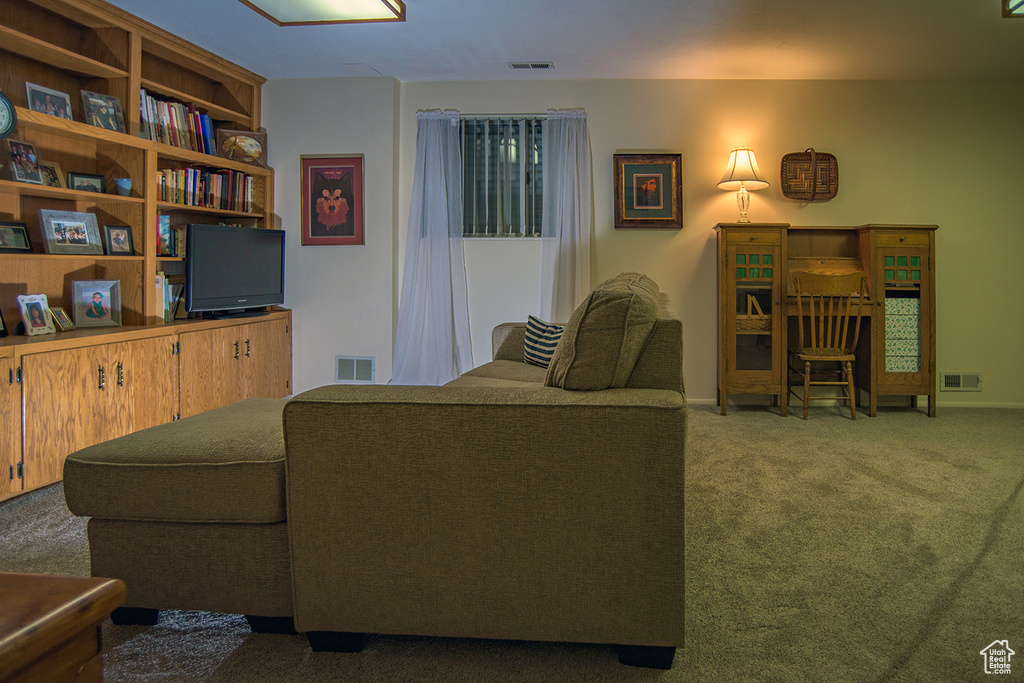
pixel 742 170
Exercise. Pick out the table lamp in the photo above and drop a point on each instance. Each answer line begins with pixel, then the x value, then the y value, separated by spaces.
pixel 742 174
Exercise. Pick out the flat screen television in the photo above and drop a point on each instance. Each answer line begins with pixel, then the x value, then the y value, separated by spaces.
pixel 231 270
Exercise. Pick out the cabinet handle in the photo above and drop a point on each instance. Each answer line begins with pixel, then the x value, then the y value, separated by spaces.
pixel 248 349
pixel 103 378
pixel 120 374
pixel 903 238
pixel 236 351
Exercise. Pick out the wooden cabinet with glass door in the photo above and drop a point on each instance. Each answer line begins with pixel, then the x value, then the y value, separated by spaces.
pixel 902 261
pixel 752 313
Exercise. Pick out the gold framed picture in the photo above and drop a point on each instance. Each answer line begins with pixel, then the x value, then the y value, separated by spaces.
pixel 648 191
pixel 61 319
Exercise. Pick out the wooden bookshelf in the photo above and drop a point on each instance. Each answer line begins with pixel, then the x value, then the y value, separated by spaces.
pixel 89 45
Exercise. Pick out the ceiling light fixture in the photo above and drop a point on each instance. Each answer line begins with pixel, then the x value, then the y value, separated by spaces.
pixel 1013 8
pixel 314 12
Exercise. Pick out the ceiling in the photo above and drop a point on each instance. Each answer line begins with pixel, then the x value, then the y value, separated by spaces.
pixel 445 40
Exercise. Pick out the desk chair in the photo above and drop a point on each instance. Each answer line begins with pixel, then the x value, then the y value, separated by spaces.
pixel 825 304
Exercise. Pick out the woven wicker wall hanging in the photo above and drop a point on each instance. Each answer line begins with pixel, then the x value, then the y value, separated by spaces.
pixel 810 175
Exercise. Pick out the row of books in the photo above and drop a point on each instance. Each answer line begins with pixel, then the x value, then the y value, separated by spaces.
pixel 170 241
pixel 223 189
pixel 177 124
pixel 171 302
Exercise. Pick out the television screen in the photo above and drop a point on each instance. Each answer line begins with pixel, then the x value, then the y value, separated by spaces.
pixel 231 269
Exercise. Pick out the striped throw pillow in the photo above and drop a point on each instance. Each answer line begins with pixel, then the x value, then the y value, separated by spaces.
pixel 541 340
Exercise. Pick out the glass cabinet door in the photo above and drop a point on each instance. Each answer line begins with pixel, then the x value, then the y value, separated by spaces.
pixel 752 304
pixel 905 305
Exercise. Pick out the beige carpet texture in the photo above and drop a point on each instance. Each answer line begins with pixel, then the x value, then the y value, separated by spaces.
pixel 881 549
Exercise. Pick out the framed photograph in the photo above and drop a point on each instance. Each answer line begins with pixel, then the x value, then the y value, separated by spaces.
pixel 47 101
pixel 242 145
pixel 61 319
pixel 117 240
pixel 96 303
pixel 102 111
pixel 52 173
pixel 648 191
pixel 332 199
pixel 14 239
pixel 24 164
pixel 87 182
pixel 70 232
pixel 3 326
pixel 35 313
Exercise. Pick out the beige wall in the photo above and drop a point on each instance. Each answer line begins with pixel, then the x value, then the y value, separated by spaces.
pixel 918 152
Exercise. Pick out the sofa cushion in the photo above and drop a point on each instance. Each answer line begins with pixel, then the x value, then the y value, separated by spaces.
pixel 541 340
pixel 510 370
pixel 224 465
pixel 606 334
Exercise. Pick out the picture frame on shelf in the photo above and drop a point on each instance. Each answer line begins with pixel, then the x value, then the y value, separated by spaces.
pixel 648 191
pixel 14 238
pixel 35 314
pixel 117 240
pixel 96 303
pixel 23 162
pixel 53 174
pixel 249 147
pixel 3 326
pixel 332 200
pixel 87 182
pixel 48 101
pixel 61 319
pixel 102 111
pixel 70 232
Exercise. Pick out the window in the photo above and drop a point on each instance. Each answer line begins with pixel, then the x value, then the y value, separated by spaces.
pixel 502 176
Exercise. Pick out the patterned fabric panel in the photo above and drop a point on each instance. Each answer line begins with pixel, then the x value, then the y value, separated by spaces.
pixel 541 340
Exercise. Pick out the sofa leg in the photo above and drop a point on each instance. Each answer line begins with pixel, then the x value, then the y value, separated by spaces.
pixel 135 616
pixel 649 656
pixel 277 625
pixel 335 641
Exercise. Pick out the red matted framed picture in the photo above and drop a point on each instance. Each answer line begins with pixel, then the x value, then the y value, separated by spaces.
pixel 332 199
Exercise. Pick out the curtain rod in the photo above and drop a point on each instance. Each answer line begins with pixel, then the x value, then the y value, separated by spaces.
pixel 503 116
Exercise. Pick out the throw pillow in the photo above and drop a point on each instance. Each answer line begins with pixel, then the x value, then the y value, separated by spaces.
pixel 606 335
pixel 541 340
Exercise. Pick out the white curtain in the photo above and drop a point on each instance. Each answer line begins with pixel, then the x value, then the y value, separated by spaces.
pixel 565 223
pixel 432 335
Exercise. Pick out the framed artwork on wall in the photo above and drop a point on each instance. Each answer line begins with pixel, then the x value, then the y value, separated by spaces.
pixel 332 199
pixel 648 191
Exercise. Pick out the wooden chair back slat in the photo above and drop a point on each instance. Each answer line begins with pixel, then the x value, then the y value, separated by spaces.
pixel 830 309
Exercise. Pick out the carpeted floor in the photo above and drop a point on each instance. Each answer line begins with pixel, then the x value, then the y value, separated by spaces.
pixel 886 549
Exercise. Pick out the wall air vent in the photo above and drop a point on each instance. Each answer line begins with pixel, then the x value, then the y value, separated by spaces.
pixel 959 381
pixel 531 65
pixel 354 370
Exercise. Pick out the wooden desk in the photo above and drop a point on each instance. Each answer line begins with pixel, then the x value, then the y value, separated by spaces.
pixel 50 626
pixel 896 352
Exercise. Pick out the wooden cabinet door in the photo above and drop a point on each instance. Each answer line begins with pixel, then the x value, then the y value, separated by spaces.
pixel 10 436
pixel 66 400
pixel 211 369
pixel 147 381
pixel 268 358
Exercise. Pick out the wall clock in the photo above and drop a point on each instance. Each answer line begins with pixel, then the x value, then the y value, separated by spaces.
pixel 8 118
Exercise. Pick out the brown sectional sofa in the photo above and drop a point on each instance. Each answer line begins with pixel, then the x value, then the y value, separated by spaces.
pixel 496 506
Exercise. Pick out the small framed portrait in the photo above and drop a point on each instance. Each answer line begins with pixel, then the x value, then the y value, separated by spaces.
pixel 117 240
pixel 102 111
pixel 52 174
pixel 648 191
pixel 22 160
pixel 87 182
pixel 61 319
pixel 96 303
pixel 47 101
pixel 3 325
pixel 35 313
pixel 247 146
pixel 14 239
pixel 70 232
pixel 332 199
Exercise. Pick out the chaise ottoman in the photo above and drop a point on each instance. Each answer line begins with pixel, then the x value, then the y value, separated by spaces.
pixel 191 514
